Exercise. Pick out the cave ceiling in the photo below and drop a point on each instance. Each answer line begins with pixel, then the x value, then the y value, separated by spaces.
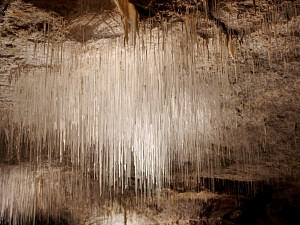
pixel 231 16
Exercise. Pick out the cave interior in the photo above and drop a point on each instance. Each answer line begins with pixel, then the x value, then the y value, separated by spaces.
pixel 149 112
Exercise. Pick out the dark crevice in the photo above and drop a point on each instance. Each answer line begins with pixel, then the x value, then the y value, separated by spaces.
pixel 211 5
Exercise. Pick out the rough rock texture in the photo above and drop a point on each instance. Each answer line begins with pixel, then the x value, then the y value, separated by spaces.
pixel 264 38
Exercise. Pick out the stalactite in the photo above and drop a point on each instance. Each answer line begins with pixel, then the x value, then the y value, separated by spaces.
pixel 131 17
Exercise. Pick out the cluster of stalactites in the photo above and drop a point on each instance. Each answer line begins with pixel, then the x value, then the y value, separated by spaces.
pixel 118 112
pixel 145 117
pixel 130 17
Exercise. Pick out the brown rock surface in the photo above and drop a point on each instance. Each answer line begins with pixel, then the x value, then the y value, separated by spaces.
pixel 263 105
